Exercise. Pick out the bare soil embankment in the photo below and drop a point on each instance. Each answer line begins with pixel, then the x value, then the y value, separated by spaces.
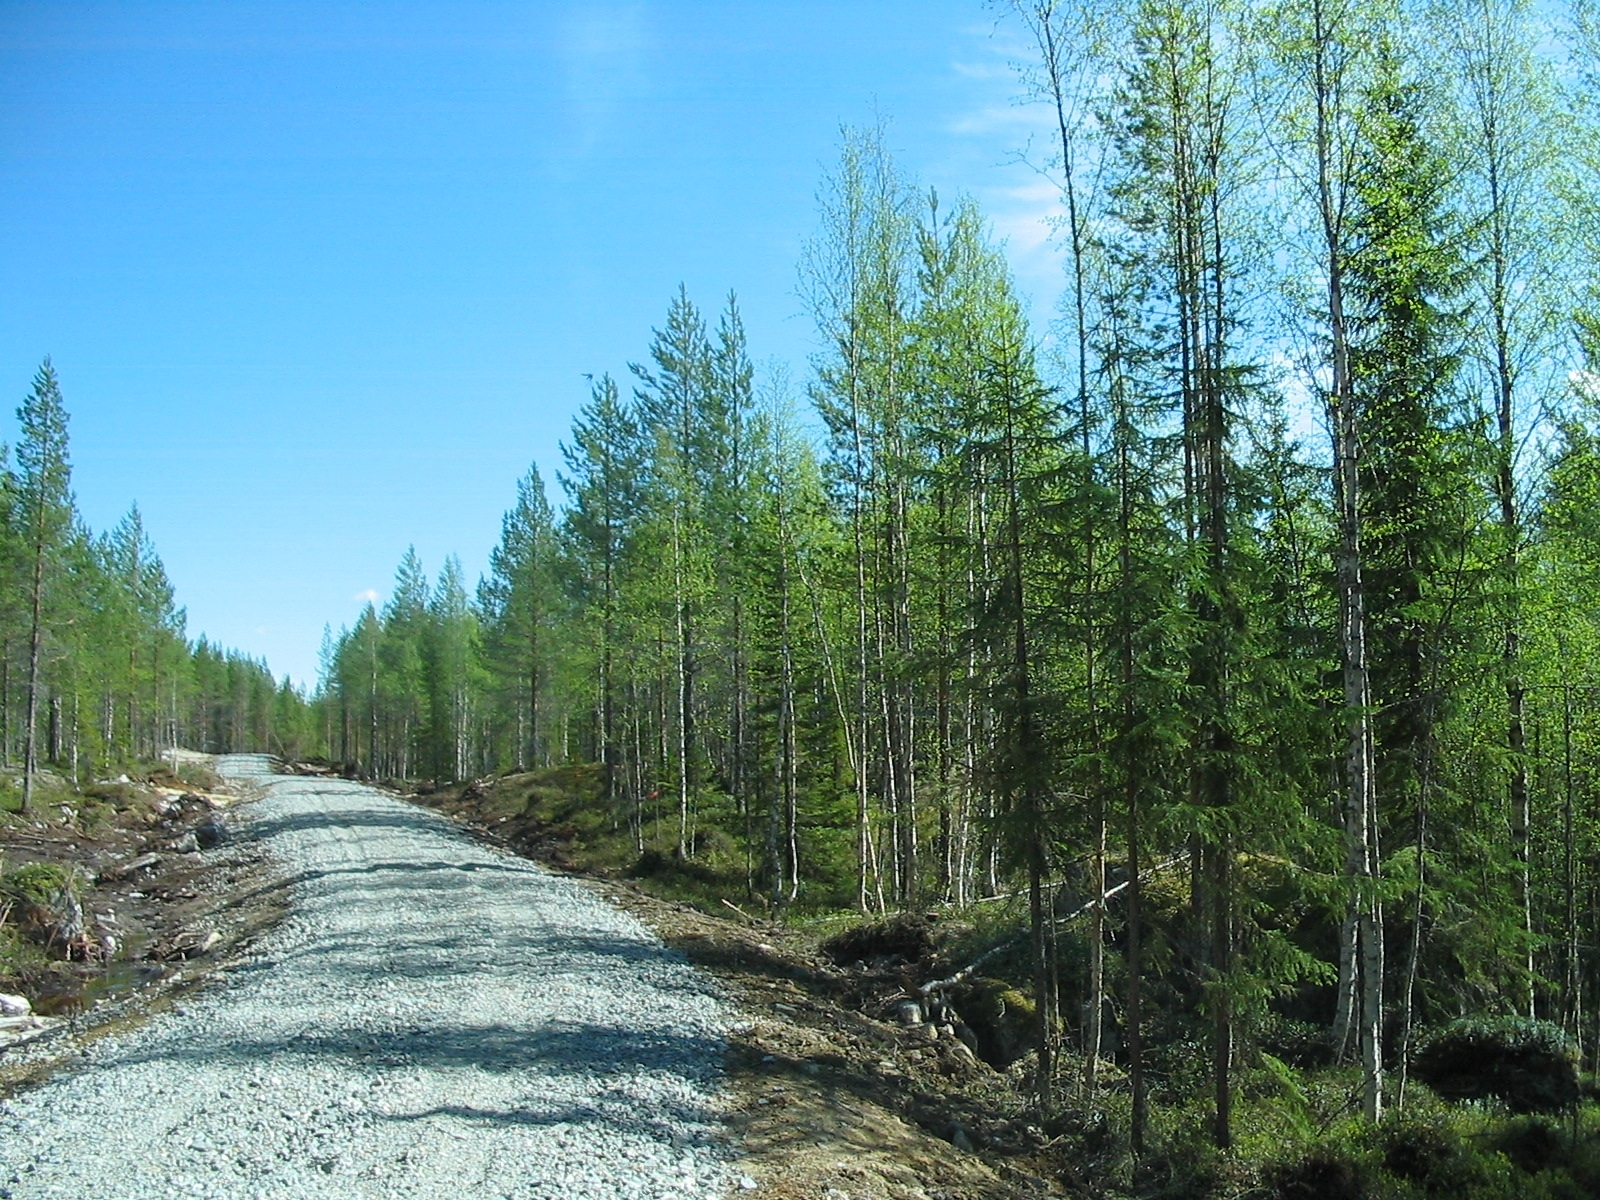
pixel 110 908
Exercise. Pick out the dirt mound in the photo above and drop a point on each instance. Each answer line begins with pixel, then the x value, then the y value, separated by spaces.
pixel 903 938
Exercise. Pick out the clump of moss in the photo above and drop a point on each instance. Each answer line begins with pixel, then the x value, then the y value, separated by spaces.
pixel 40 884
pixel 1003 1020
pixel 45 899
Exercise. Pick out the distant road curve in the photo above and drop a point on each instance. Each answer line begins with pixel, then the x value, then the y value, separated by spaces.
pixel 434 1018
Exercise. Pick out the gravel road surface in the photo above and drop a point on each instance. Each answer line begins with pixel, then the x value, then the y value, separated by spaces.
pixel 434 1018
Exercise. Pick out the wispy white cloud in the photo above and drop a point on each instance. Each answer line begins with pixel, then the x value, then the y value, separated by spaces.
pixel 1002 118
pixel 602 49
pixel 988 69
pixel 1002 138
pixel 1025 214
pixel 1028 208
pixel 370 596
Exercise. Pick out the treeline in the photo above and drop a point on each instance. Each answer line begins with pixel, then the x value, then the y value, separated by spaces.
pixel 96 671
pixel 1268 575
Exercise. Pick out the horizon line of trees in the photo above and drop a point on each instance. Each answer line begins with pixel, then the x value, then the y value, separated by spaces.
pixel 96 670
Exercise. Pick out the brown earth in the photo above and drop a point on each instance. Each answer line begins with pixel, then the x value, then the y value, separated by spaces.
pixel 175 917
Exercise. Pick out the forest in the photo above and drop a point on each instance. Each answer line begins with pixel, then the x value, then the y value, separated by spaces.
pixel 1239 624
pixel 97 673
pixel 1257 590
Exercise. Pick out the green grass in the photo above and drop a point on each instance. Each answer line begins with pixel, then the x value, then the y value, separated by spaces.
pixel 19 957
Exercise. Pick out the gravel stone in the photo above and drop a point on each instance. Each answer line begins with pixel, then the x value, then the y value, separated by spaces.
pixel 433 1018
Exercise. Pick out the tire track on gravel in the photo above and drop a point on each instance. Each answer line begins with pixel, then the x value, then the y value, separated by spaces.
pixel 434 1018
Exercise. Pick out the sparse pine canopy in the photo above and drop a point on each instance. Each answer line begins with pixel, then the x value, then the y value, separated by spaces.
pixel 96 670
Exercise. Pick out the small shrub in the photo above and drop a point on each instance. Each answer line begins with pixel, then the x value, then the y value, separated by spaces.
pixel 651 864
pixel 39 883
pixel 18 955
pixel 1434 1159
pixel 1326 1173
pixel 44 899
pixel 1532 1144
pixel 1529 1065
pixel 118 795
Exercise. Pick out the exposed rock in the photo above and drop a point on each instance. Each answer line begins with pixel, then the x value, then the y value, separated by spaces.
pixel 909 1012
pixel 957 1060
pixel 131 867
pixel 66 918
pixel 212 832
pixel 16 1030
pixel 14 1006
pixel 188 945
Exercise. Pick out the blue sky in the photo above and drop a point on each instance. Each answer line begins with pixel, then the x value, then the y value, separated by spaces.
pixel 320 280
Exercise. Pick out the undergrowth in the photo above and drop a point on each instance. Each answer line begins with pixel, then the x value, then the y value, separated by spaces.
pixel 1297 1130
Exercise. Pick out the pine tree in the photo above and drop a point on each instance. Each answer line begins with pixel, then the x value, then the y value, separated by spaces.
pixel 603 466
pixel 44 473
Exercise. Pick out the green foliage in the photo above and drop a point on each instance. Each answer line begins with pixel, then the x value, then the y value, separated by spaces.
pixel 19 955
pixel 40 883
pixel 1532 1066
pixel 1066 607
pixel 92 640
pixel 1440 1157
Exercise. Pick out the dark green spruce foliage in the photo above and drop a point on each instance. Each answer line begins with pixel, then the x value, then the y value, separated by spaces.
pixel 1530 1065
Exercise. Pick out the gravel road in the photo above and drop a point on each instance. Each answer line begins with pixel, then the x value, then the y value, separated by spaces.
pixel 434 1018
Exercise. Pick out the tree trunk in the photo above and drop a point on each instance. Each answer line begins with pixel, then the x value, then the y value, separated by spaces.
pixel 5 702
pixel 30 755
pixel 682 648
pixel 1363 940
